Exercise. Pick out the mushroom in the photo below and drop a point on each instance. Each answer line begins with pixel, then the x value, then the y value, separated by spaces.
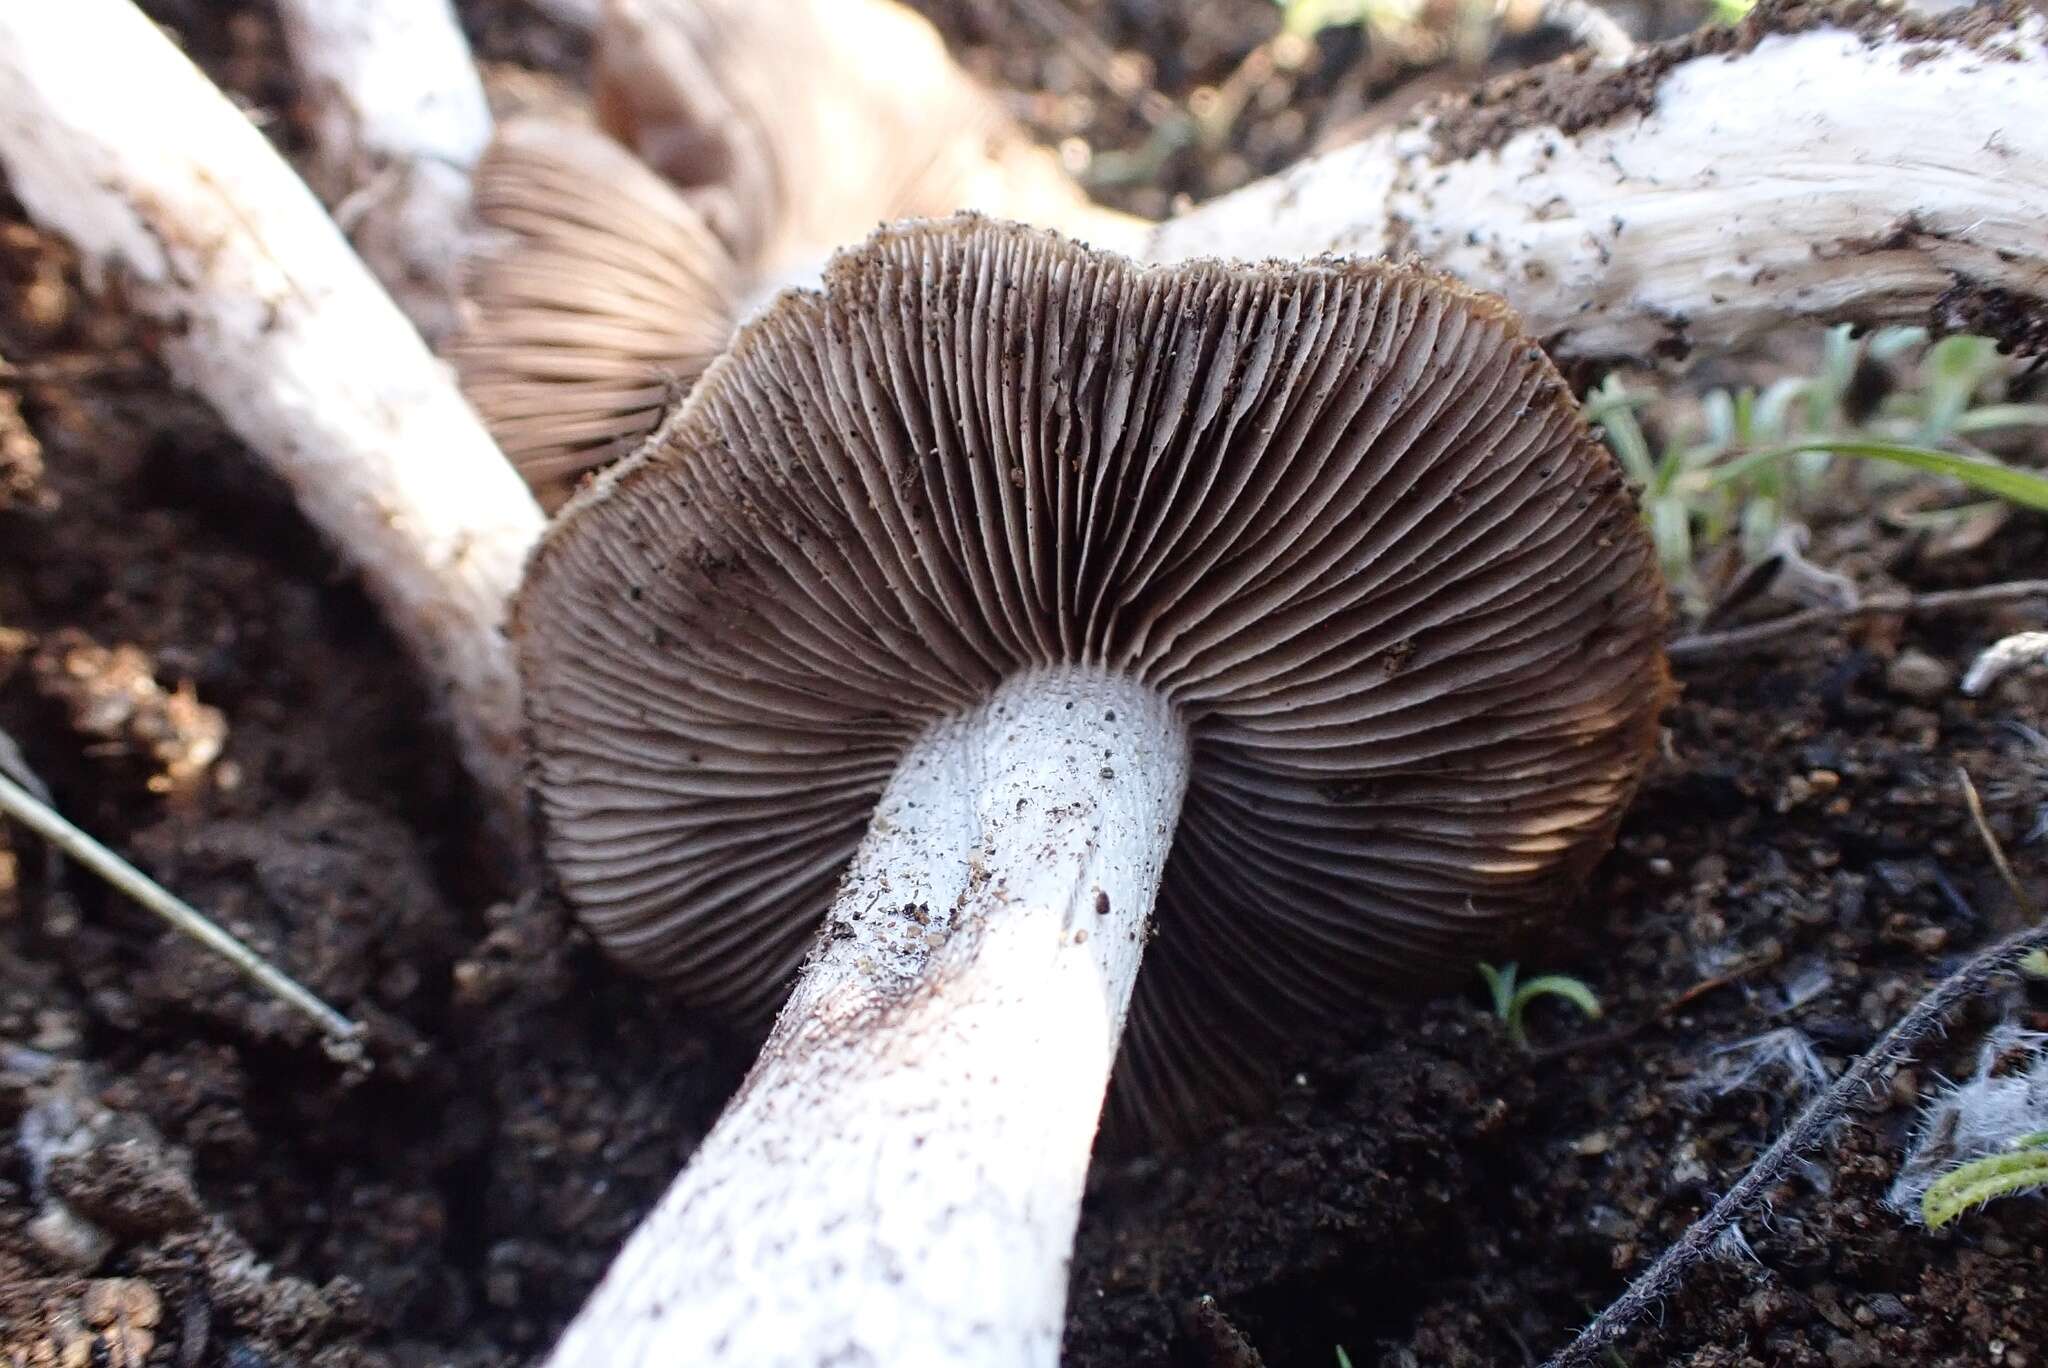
pixel 797 127
pixel 608 297
pixel 779 132
pixel 1038 584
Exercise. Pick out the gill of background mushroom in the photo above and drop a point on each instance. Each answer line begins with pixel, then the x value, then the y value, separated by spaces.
pixel 766 137
pixel 1037 584
pixel 606 298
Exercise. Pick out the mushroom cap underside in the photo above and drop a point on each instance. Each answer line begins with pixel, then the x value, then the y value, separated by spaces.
pixel 598 296
pixel 1344 515
pixel 751 140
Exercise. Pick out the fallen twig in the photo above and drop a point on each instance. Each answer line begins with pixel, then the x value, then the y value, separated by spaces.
pixel 343 1038
pixel 1811 1128
pixel 270 315
pixel 1659 1014
pixel 1704 646
pixel 14 765
pixel 1999 861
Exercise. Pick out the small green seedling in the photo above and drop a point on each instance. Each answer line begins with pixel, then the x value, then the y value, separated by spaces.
pixel 2022 1168
pixel 1511 999
pixel 1343 1359
pixel 1751 458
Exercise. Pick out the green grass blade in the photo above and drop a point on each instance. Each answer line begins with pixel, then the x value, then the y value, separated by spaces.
pixel 1993 416
pixel 2027 488
pixel 1974 1184
pixel 1501 983
pixel 1557 985
pixel 1613 408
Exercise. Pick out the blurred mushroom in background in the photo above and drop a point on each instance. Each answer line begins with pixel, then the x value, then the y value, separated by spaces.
pixel 1039 585
pixel 610 299
pixel 780 133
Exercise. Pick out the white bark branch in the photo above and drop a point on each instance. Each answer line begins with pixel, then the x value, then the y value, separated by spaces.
pixel 899 1179
pixel 111 137
pixel 398 119
pixel 1698 198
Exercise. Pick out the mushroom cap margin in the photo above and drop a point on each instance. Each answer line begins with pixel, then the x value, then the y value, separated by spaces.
pixel 1344 514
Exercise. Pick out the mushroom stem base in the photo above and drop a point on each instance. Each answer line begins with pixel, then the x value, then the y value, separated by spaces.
pixel 899 1178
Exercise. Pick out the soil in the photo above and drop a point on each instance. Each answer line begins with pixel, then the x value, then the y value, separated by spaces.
pixel 185 1179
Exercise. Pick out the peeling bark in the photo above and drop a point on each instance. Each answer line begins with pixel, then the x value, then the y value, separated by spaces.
pixel 1848 164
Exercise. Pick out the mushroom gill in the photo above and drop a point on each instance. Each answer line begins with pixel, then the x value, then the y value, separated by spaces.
pixel 1037 584
pixel 762 137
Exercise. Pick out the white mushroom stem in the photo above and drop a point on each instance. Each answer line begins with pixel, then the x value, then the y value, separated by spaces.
pixel 1871 176
pixel 899 1179
pixel 398 118
pixel 111 137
